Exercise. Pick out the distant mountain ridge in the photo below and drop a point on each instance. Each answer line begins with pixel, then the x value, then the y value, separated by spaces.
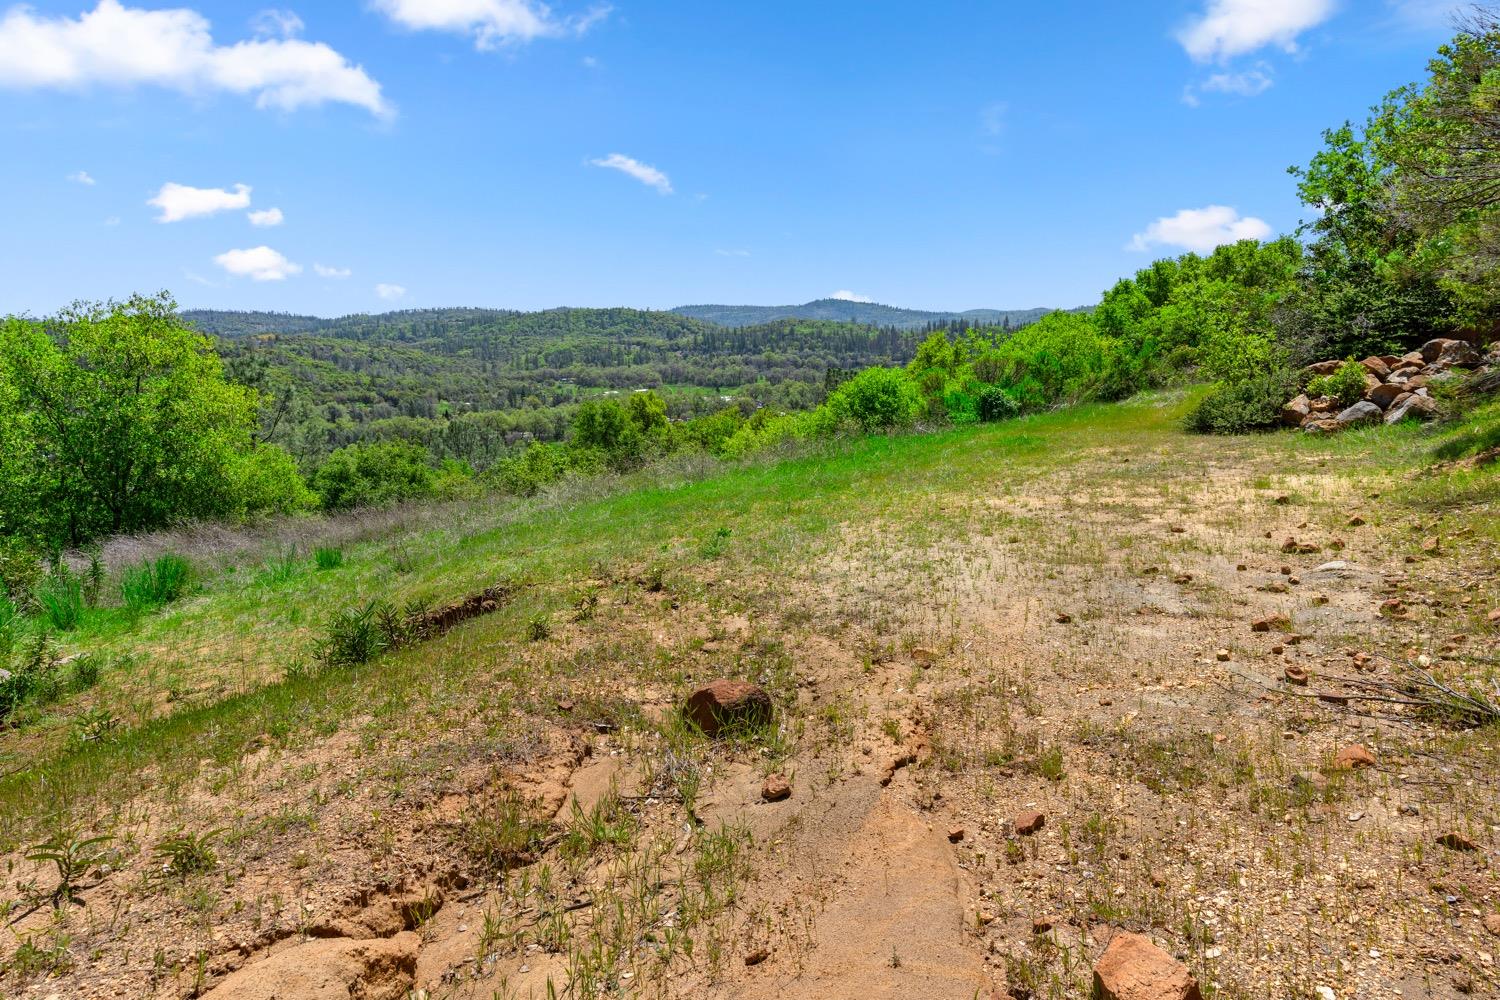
pixel 865 313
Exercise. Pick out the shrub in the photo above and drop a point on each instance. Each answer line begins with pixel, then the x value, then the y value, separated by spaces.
pixel 353 636
pixel 1252 404
pixel 60 596
pixel 877 399
pixel 375 474
pixel 10 623
pixel 525 474
pixel 1347 384
pixel 20 569
pixel 996 404
pixel 328 558
pixel 155 583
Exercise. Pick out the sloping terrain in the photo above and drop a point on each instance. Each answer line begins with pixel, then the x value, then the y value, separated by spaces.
pixel 1088 617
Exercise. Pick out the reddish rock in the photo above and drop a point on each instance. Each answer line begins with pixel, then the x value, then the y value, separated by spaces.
pixel 1027 823
pixel 1041 925
pixel 1280 623
pixel 775 789
pixel 1295 675
pixel 1355 521
pixel 1492 923
pixel 1393 608
pixel 1456 841
pixel 1353 758
pixel 1433 349
pixel 1377 367
pixel 1298 410
pixel 1132 968
pixel 1493 617
pixel 1385 395
pixel 757 956
pixel 1323 367
pixel 1063 618
pixel 955 834
pixel 728 704
pixel 1432 545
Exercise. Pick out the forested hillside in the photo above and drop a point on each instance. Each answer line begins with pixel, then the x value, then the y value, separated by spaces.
pixel 868 313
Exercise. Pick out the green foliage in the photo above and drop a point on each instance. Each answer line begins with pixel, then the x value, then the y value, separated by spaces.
pixel 185 855
pixel 1346 384
pixel 525 475
pixel 60 596
pixel 154 583
pixel 73 859
pixel 1249 404
pixel 118 418
pixel 328 558
pixel 374 475
pixel 877 399
pixel 994 403
pixel 353 636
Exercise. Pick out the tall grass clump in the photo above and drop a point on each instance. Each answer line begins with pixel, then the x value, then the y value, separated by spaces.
pixel 60 597
pixel 328 558
pixel 354 636
pixel 154 583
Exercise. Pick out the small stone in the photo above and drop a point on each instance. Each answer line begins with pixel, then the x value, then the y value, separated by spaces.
pixel 757 956
pixel 1282 500
pixel 1431 545
pixel 1027 823
pixel 1492 923
pixel 1456 841
pixel 1493 617
pixel 1353 758
pixel 727 704
pixel 955 834
pixel 1356 521
pixel 1295 675
pixel 1063 618
pixel 923 656
pixel 1133 968
pixel 776 789
pixel 1279 623
pixel 1041 925
pixel 1222 655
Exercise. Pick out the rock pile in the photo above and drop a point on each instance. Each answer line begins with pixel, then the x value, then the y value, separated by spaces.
pixel 1396 388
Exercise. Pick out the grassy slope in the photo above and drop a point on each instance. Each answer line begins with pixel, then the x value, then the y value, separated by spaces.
pixel 198 683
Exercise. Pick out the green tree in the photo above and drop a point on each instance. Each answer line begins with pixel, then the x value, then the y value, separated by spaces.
pixel 118 417
pixel 374 474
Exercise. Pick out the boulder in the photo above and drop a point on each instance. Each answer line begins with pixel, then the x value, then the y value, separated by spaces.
pixel 1433 349
pixel 1414 407
pixel 1384 395
pixel 1372 383
pixel 1322 427
pixel 1323 367
pixel 336 969
pixel 1360 413
pixel 1377 367
pixel 1298 410
pixel 1133 968
pixel 726 704
pixel 1458 353
pixel 1414 359
pixel 1353 758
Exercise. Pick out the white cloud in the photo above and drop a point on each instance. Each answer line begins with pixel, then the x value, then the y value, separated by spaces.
pixel 266 217
pixel 119 46
pixel 390 292
pixel 1200 230
pixel 82 177
pixel 1250 83
pixel 178 201
pixel 491 23
pixel 844 295
pixel 324 271
pixel 258 263
pixel 647 175
pixel 1228 28
pixel 272 23
pixel 732 253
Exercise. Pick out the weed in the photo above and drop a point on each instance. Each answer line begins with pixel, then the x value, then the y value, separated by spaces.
pixel 353 636
pixel 607 824
pixel 505 832
pixel 538 627
pixel 326 558
pixel 184 854
pixel 280 569
pixel 716 544
pixel 60 596
pixel 74 859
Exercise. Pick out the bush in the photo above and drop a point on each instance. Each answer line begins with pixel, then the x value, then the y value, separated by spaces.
pixel 374 474
pixel 997 404
pixel 1347 384
pixel 877 399
pixel 353 636
pixel 328 558
pixel 525 475
pixel 153 584
pixel 1252 404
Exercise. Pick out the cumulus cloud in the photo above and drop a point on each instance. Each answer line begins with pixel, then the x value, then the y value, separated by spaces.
pixel 258 263
pixel 491 23
pixel 844 295
pixel 118 46
pixel 266 218
pixel 1229 28
pixel 390 292
pixel 1200 230
pixel 81 177
pixel 178 201
pixel 1247 84
pixel 325 271
pixel 632 167
pixel 277 24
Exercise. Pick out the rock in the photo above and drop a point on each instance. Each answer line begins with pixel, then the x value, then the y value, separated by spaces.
pixel 1459 353
pixel 1492 923
pixel 955 834
pixel 728 704
pixel 1433 349
pixel 334 969
pixel 1323 367
pixel 923 656
pixel 776 789
pixel 1322 427
pixel 1413 407
pixel 1360 413
pixel 1493 617
pixel 1222 655
pixel 1027 823
pixel 1132 968
pixel 757 956
pixel 1377 367
pixel 1386 394
pixel 1413 360
pixel 1298 410
pixel 1432 545
pixel 1355 521
pixel 1295 675
pixel 1041 925
pixel 1279 623
pixel 1456 841
pixel 1393 608
pixel 1353 758
pixel 1063 618
pixel 1371 384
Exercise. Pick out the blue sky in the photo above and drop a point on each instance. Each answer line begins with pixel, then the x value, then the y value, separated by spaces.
pixel 333 158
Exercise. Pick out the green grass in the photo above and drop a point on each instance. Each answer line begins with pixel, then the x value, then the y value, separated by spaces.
pixel 224 653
